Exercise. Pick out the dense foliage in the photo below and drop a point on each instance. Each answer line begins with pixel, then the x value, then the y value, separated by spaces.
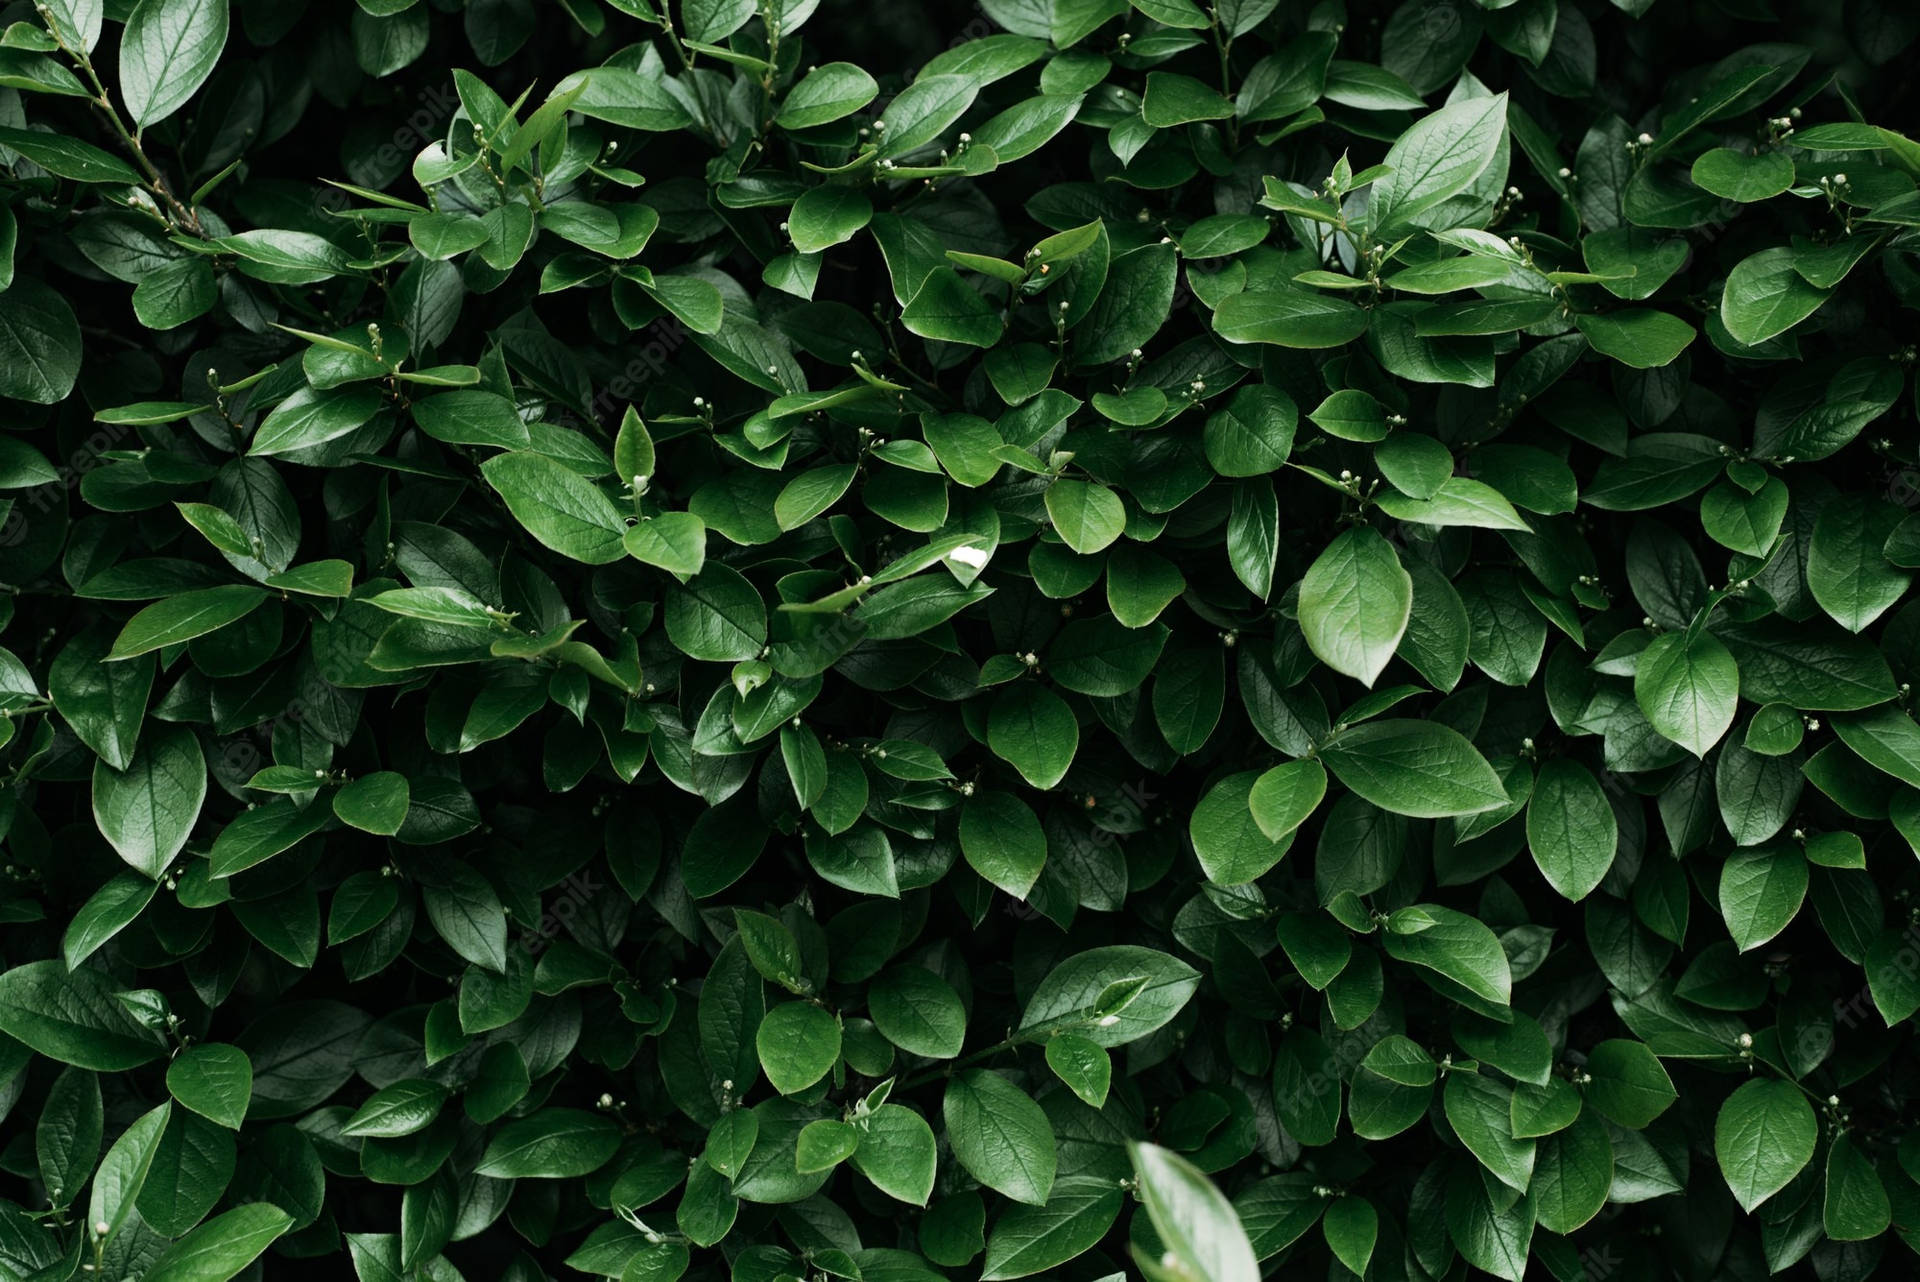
pixel 801 639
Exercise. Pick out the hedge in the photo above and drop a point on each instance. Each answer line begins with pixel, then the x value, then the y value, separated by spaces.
pixel 784 640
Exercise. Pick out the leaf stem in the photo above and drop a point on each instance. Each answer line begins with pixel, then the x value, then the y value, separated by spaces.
pixel 181 215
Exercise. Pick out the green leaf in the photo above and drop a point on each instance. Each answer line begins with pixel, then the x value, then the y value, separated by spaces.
pixel 1737 176
pixel 405 1107
pixel 898 1154
pixel 1253 435
pixel 799 1044
pixel 1083 1065
pixel 1000 1136
pixel 1571 828
pixel 1002 841
pixel 1086 515
pixel 1076 994
pixel 711 21
pixel 375 803
pixel 1439 157
pixel 74 1018
pixel 1763 1136
pixel 922 111
pixel 717 616
pixel 1288 318
pixel 1391 1089
pixel 1746 523
pixel 1764 297
pixel 1688 686
pixel 223 1246
pixel 825 94
pixel 827 216
pixel 554 1143
pixel 1033 730
pixel 214 1080
pixel 468 416
pixel 1282 798
pixel 917 1011
pixel 183 617
pixel 1626 1084
pixel 1480 1112
pixel 560 509
pixel 1026 1240
pixel 1351 1227
pixel 169 49
pixel 1354 604
pixel 309 418
pixel 672 541
pixel 1229 840
pixel 1454 946
pixel 1573 1173
pixel 822 1146
pixel 47 319
pixel 1416 768
pixel 1760 892
pixel 1847 569
pixel 147 811
pixel 1172 100
pixel 1886 739
pixel 1198 1226
pixel 1459 500
pixel 948 309
pixel 1856 1207
pixel 467 913
pixel 123 1171
pixel 1639 337
pixel 67 1134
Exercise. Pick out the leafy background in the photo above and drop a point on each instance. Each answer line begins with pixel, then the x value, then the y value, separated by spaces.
pixel 898 642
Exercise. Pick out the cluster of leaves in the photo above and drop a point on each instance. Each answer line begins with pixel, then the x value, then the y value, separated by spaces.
pixel 800 639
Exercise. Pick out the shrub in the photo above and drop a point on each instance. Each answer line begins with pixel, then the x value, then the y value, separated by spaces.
pixel 798 639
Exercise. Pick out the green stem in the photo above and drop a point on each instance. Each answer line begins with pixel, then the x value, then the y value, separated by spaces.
pixel 183 217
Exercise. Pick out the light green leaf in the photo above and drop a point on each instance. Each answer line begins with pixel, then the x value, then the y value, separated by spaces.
pixel 1355 602
pixel 1000 1135
pixel 1763 1137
